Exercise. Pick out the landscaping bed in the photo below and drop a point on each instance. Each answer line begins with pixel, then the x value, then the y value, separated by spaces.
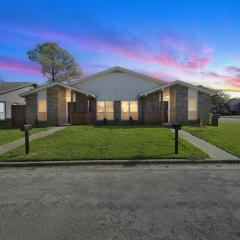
pixel 106 142
pixel 225 136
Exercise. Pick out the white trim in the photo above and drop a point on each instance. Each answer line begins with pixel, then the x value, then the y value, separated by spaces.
pixel 116 69
pixel 177 82
pixel 17 88
pixel 55 84
pixel 4 110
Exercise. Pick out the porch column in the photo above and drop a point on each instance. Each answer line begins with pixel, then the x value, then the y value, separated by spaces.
pixel 162 110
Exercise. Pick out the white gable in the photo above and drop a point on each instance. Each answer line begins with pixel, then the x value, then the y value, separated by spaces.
pixel 117 85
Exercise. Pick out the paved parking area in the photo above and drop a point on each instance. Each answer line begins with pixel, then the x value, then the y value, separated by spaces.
pixel 139 202
pixel 229 120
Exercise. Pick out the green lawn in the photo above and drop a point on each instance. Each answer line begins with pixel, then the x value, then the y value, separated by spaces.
pixel 110 142
pixel 226 136
pixel 9 134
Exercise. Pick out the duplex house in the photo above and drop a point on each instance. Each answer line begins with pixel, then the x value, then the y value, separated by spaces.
pixel 9 95
pixel 117 95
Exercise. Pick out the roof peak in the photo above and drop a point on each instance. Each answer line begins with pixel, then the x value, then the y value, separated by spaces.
pixel 122 69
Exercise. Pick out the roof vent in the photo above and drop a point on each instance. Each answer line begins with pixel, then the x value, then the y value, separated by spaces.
pixel 117 71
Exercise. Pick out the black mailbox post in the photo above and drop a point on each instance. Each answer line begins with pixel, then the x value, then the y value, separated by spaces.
pixel 26 129
pixel 177 127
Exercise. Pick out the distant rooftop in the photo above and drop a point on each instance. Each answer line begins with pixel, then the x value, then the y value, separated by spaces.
pixel 10 86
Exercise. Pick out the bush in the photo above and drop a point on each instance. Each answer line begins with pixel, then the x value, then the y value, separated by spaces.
pixel 200 122
pixel 36 123
pixel 104 121
pixel 131 120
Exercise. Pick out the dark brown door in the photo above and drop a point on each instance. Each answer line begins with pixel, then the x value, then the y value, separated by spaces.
pixel 165 111
pixel 18 115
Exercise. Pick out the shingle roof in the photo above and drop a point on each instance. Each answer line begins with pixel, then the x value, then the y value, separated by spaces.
pixel 10 86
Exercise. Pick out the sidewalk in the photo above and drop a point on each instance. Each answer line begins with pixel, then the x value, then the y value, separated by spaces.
pixel 17 143
pixel 213 151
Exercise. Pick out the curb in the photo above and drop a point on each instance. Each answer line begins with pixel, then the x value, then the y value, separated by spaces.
pixel 115 162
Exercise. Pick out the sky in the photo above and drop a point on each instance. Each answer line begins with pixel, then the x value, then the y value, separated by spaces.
pixel 197 41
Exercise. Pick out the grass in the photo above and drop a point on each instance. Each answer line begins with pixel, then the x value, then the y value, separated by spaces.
pixel 226 136
pixel 106 142
pixel 10 134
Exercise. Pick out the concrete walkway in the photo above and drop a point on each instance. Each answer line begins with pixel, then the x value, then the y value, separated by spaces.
pixel 213 151
pixel 9 146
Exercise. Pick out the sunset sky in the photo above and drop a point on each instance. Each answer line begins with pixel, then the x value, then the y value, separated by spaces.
pixel 197 41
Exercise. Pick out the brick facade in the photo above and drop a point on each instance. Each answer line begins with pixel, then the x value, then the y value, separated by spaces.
pixel 31 109
pixel 52 105
pixel 117 110
pixel 203 107
pixel 181 104
pixel 149 107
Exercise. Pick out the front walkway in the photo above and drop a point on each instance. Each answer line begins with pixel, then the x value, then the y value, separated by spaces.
pixel 17 143
pixel 213 151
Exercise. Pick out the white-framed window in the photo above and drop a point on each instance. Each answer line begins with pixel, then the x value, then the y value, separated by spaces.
pixel 42 105
pixel 129 109
pixel 105 110
pixel 2 111
pixel 192 104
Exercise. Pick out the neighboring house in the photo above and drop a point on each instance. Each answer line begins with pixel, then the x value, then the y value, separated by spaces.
pixel 234 106
pixel 9 95
pixel 118 95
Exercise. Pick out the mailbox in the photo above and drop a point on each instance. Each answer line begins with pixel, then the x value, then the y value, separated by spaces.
pixel 26 129
pixel 177 126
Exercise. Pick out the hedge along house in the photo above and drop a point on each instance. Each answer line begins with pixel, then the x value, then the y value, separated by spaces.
pixel 117 95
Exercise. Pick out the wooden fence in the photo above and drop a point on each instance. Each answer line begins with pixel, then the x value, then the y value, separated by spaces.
pixel 18 113
pixel 152 117
pixel 81 118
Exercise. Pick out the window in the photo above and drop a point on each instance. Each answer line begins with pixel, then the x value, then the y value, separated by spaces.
pixel 74 97
pixel 42 105
pixel 2 110
pixel 129 109
pixel 105 110
pixel 192 104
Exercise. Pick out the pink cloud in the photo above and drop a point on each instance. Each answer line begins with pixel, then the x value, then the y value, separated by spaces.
pixel 173 48
pixel 19 66
pixel 230 80
pixel 233 70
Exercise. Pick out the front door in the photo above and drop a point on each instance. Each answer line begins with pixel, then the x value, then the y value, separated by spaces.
pixel 165 111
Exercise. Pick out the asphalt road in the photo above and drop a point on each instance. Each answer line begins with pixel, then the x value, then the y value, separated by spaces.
pixel 152 202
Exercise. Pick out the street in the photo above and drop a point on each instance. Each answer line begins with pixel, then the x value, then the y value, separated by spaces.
pixel 120 202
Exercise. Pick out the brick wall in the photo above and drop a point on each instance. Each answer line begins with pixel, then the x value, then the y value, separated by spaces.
pixel 52 105
pixel 62 106
pixel 117 110
pixel 181 104
pixel 203 107
pixel 31 108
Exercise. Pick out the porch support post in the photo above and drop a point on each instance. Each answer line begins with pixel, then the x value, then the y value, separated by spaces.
pixel 71 99
pixel 162 112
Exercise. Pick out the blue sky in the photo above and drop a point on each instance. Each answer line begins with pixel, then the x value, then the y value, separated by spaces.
pixel 194 41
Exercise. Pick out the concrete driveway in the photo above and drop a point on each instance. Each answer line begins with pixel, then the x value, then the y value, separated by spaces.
pixel 229 120
pixel 152 202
